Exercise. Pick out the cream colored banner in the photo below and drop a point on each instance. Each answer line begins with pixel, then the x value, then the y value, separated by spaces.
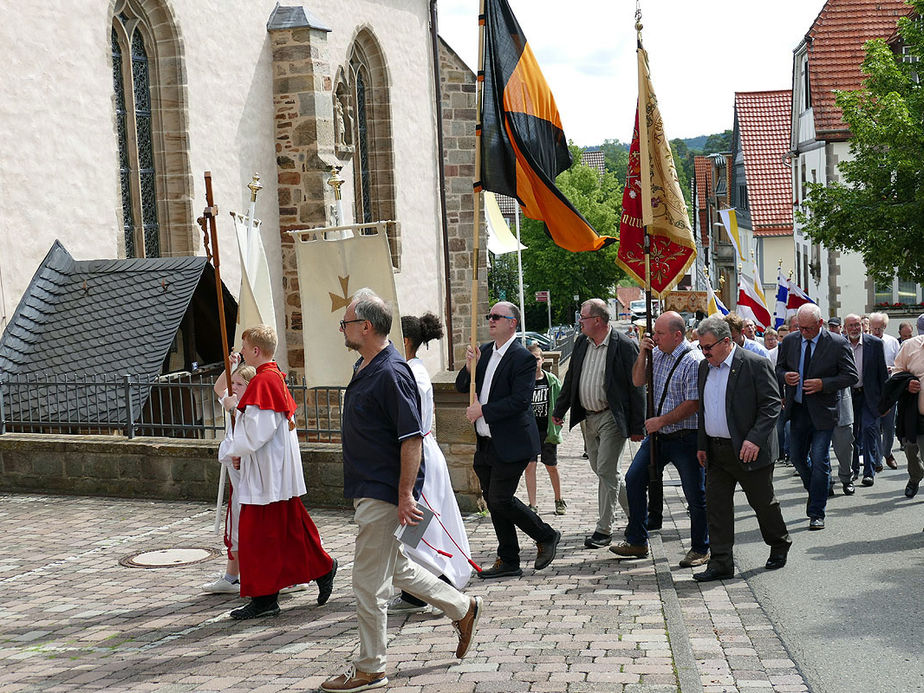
pixel 255 304
pixel 330 271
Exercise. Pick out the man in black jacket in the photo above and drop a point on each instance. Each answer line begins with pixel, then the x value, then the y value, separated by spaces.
pixel 740 403
pixel 814 364
pixel 599 392
pixel 507 438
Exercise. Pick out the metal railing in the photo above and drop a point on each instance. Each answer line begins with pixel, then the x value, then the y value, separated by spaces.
pixel 173 406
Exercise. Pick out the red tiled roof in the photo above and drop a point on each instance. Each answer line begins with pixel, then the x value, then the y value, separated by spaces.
pixel 764 126
pixel 702 168
pixel 835 52
pixel 626 294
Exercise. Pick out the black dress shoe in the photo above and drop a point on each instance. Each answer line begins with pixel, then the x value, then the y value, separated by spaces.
pixel 252 611
pixel 911 489
pixel 830 491
pixel 546 552
pixel 776 561
pixel 598 540
pixel 878 468
pixel 713 574
pixel 849 488
pixel 868 481
pixel 856 475
pixel 326 585
pixel 499 570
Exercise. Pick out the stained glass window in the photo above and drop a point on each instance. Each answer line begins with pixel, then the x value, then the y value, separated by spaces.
pixel 363 133
pixel 137 175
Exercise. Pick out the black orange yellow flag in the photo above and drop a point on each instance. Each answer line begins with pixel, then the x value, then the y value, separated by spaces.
pixel 652 199
pixel 523 147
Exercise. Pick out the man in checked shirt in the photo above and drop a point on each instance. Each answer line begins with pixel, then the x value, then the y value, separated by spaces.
pixel 672 428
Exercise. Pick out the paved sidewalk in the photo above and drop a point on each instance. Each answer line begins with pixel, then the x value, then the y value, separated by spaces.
pixel 74 618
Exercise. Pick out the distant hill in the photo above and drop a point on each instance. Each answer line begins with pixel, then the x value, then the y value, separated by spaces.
pixel 696 143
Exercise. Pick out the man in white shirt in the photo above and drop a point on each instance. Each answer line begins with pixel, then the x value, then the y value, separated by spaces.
pixel 507 438
pixel 878 322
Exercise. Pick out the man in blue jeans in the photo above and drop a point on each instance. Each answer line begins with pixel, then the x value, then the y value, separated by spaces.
pixel 672 427
pixel 814 365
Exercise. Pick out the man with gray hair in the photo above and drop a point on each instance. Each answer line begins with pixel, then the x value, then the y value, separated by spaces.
pixel 383 474
pixel 814 365
pixel 878 322
pixel 599 392
pixel 740 404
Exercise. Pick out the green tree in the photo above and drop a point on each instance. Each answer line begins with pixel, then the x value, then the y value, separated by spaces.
pixel 616 159
pixel 878 209
pixel 563 273
pixel 717 143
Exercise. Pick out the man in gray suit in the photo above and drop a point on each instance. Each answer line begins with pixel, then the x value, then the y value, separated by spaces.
pixel 740 405
pixel 814 364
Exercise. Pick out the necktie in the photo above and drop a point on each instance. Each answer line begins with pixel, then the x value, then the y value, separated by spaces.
pixel 806 360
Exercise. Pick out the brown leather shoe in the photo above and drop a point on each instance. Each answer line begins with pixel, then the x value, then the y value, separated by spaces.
pixel 465 627
pixel 354 681
pixel 890 460
pixel 627 550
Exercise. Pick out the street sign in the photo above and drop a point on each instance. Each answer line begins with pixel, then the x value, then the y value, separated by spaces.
pixel 542 296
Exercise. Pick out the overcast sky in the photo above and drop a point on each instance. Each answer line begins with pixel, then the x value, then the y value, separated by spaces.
pixel 700 52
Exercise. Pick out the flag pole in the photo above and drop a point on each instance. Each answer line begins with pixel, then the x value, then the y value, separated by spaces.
pixel 520 273
pixel 655 491
pixel 210 234
pixel 479 96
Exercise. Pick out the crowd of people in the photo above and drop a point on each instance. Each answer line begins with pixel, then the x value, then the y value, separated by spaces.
pixel 725 405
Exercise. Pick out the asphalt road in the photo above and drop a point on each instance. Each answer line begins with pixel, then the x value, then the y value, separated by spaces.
pixel 848 604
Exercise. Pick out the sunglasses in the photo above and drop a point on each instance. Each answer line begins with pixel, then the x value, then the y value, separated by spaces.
pixel 495 316
pixel 706 348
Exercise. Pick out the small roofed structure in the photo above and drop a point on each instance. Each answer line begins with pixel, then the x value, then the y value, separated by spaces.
pixel 93 322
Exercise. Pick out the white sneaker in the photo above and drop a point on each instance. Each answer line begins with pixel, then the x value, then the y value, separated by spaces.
pixel 222 586
pixel 300 587
pixel 398 606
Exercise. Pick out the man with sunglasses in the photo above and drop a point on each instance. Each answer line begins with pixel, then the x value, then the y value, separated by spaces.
pixel 507 438
pixel 599 392
pixel 740 404
pixel 814 365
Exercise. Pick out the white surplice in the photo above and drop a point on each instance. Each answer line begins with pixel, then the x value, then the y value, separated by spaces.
pixel 271 463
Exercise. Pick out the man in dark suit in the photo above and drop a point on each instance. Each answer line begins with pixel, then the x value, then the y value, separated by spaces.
pixel 599 392
pixel 507 438
pixel 740 403
pixel 814 364
pixel 869 358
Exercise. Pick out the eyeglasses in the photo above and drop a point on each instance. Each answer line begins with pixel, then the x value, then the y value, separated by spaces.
pixel 582 318
pixel 706 348
pixel 344 323
pixel 495 316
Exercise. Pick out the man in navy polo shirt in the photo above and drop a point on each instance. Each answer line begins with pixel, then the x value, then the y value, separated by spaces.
pixel 382 473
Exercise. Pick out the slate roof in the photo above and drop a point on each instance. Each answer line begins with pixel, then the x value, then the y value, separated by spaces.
pixel 835 52
pixel 99 319
pixel 764 126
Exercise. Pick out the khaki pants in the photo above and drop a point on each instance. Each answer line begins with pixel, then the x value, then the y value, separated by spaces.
pixel 604 451
pixel 913 453
pixel 379 562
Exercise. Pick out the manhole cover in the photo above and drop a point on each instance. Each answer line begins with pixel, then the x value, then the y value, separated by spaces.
pixel 168 558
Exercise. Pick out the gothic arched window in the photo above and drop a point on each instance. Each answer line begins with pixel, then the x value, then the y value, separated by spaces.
pixel 156 187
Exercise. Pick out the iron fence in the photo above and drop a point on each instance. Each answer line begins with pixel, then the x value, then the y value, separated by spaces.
pixel 173 406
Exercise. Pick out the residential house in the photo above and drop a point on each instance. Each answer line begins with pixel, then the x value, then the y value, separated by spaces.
pixel 760 189
pixel 828 59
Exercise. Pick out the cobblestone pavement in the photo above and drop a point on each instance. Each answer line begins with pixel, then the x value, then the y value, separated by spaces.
pixel 74 618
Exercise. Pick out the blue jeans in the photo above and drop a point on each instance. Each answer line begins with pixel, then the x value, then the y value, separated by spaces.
pixel 887 426
pixel 809 452
pixel 782 431
pixel 682 452
pixel 865 436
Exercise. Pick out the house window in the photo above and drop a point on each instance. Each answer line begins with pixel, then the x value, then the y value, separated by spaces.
pixel 806 92
pixel 147 71
pixel 897 291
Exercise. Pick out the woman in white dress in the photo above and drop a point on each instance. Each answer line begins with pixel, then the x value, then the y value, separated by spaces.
pixel 444 549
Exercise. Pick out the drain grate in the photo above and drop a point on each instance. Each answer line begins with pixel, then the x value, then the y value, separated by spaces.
pixel 170 557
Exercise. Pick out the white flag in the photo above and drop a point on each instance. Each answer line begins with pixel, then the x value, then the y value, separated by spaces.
pixel 500 240
pixel 329 273
pixel 255 305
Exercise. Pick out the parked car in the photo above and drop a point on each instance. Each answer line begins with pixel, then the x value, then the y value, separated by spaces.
pixel 638 308
pixel 543 340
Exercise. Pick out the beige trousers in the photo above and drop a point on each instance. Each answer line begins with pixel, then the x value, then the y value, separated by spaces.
pixel 378 563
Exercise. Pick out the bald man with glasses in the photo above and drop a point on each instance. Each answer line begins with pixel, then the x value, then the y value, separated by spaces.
pixel 507 438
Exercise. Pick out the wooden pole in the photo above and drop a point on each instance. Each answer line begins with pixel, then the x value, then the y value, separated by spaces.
pixel 479 96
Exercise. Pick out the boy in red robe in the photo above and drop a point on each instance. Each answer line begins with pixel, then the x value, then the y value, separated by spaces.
pixel 278 542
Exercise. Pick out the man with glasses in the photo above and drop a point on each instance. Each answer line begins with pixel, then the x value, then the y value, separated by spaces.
pixel 507 438
pixel 383 474
pixel 599 392
pixel 740 404
pixel 814 364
